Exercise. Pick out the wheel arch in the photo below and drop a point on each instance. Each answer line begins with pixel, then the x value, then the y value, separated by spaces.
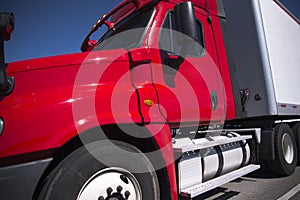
pixel 140 138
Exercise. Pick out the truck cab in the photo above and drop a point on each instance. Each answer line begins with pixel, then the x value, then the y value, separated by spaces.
pixel 152 109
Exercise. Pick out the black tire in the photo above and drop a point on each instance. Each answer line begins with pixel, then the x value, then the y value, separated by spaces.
pixel 285 160
pixel 296 130
pixel 73 174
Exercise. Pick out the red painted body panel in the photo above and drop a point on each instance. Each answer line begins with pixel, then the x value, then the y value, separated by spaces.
pixel 56 98
pixel 164 141
pixel 41 103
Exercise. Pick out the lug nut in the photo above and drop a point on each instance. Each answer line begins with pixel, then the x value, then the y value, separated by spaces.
pixel 119 189
pixel 101 198
pixel 109 191
pixel 127 194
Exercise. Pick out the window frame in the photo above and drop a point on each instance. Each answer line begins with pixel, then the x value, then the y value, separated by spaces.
pixel 134 14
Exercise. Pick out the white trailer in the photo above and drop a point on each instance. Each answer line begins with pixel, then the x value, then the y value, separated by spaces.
pixel 262 43
pixel 263 40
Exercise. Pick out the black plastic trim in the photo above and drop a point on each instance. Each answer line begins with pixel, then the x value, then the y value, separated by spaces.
pixel 20 181
pixel 267 147
pixel 26 158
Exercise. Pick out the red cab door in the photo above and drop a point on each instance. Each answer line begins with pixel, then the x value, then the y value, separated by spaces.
pixel 189 85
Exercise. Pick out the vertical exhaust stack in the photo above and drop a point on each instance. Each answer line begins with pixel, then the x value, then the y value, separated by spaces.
pixel 6 28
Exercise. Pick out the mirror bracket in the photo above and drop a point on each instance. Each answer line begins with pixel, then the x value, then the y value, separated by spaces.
pixel 6 28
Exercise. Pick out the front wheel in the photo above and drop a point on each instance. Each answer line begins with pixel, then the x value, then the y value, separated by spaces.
pixel 103 170
pixel 285 151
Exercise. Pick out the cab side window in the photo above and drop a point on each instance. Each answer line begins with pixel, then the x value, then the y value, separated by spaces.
pixel 169 43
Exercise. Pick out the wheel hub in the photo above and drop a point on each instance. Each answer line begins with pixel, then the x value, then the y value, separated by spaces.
pixel 100 186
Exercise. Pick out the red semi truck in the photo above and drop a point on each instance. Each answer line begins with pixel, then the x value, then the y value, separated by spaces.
pixel 176 98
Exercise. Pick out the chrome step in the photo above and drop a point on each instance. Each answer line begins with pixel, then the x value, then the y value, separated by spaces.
pixel 196 190
pixel 192 145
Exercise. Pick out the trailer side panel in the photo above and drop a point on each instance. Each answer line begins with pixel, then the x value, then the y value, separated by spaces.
pixel 282 34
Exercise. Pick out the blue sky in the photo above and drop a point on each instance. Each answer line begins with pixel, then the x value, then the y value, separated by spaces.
pixel 45 28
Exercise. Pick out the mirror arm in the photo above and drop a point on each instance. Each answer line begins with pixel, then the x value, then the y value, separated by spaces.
pixel 84 44
pixel 3 77
pixel 6 28
pixel 6 83
pixel 99 23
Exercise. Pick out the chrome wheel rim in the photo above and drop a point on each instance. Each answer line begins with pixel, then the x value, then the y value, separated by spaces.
pixel 110 179
pixel 287 148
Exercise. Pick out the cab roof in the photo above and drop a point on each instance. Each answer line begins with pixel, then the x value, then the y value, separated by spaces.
pixel 214 7
pixel 122 10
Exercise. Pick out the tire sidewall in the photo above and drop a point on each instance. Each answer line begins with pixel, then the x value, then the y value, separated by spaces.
pixel 67 179
pixel 296 130
pixel 284 168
